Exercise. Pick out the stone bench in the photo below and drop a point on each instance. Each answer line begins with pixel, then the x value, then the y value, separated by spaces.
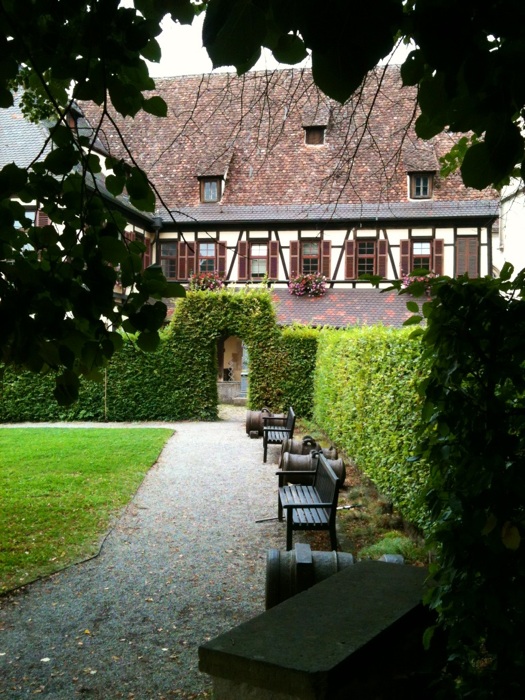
pixel 351 635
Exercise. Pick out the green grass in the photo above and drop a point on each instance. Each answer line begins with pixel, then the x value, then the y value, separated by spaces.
pixel 60 490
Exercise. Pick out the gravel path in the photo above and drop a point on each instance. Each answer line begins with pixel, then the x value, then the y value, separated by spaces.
pixel 185 562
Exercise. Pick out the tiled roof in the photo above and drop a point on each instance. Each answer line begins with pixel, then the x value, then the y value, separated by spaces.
pixel 342 307
pixel 427 209
pixel 256 122
pixel 20 140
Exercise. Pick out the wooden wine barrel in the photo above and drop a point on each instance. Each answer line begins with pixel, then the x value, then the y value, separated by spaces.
pixel 288 573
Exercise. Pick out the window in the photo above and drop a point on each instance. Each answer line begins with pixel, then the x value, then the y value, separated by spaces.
pixel 421 185
pixel 314 135
pixel 366 257
pixel 258 260
pixel 206 261
pixel 467 256
pixel 422 254
pixel 211 189
pixel 310 256
pixel 168 260
pixel 366 254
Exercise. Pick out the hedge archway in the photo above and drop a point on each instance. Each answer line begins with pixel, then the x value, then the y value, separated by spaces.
pixel 200 320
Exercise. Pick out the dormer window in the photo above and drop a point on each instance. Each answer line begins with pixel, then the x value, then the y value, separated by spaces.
pixel 211 189
pixel 421 185
pixel 314 135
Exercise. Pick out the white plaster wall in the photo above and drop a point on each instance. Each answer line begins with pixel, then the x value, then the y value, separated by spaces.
pixel 510 246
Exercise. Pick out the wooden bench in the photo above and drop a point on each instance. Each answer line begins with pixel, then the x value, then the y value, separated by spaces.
pixel 276 429
pixel 310 507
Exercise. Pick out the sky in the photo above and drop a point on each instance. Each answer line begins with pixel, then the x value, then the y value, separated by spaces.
pixel 183 53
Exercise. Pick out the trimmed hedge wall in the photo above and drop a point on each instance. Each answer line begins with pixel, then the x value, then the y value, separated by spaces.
pixel 179 380
pixel 366 401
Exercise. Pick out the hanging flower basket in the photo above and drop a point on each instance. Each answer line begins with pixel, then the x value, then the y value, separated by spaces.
pixel 312 285
pixel 206 281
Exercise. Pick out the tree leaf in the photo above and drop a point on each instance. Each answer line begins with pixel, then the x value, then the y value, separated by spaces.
pixel 66 388
pixel 290 49
pixel 156 106
pixel 113 250
pixel 148 341
pixel 233 33
pixel 510 536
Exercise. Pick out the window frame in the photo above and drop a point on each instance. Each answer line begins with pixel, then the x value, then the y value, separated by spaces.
pixel 413 185
pixel 207 257
pixel 204 181
pixel 314 135
pixel 252 258
pixel 167 261
pixel 303 257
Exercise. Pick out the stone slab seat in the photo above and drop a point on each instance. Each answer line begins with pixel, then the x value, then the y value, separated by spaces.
pixel 350 636
pixel 279 429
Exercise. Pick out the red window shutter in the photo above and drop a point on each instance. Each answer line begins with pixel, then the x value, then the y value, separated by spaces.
pixel 242 254
pixel 439 254
pixel 382 258
pixel 326 254
pixel 350 260
pixel 146 260
pixel 220 255
pixel 295 267
pixel 405 263
pixel 273 260
pixel 42 219
pixel 467 256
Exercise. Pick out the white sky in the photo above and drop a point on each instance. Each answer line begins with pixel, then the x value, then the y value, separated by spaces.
pixel 183 53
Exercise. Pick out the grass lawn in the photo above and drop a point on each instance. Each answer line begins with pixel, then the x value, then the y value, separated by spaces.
pixel 61 488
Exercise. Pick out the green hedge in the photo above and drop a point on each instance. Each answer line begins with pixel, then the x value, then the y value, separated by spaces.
pixel 366 401
pixel 179 380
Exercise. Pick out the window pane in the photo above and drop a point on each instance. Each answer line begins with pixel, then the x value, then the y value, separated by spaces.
pixel 310 265
pixel 168 260
pixel 421 247
pixel 258 267
pixel 310 248
pixel 207 265
pixel 314 135
pixel 366 247
pixel 421 186
pixel 211 191
pixel 259 250
pixel 365 266
pixel 207 250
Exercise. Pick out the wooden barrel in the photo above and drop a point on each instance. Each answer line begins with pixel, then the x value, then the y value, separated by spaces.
pixel 288 573
pixel 291 463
